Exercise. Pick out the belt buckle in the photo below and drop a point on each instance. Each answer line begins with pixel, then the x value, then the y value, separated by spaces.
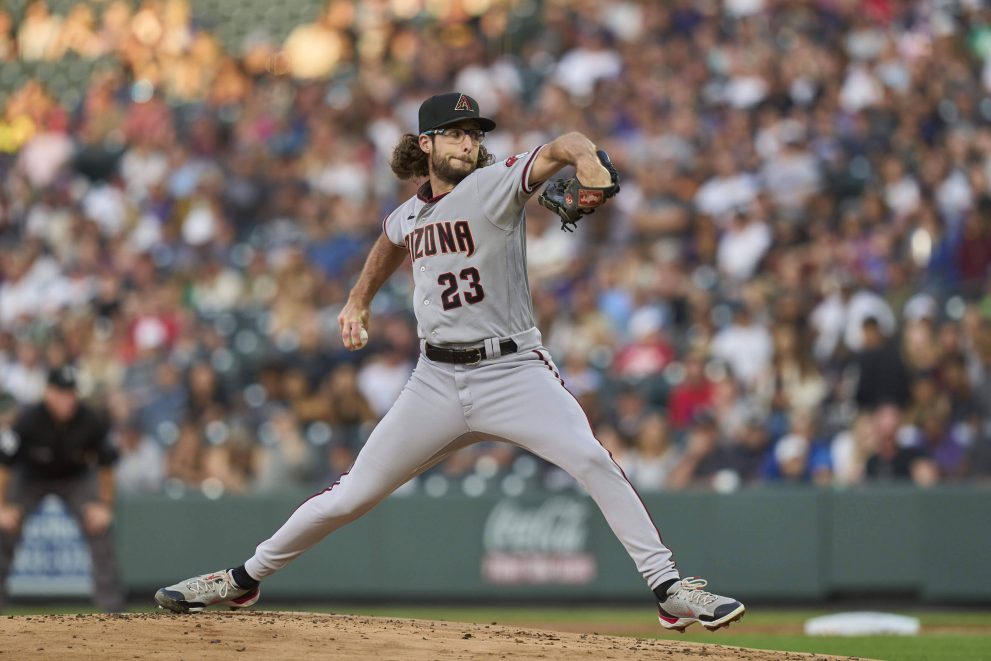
pixel 480 351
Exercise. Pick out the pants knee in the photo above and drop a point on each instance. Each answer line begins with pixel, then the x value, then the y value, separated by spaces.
pixel 344 505
pixel 592 461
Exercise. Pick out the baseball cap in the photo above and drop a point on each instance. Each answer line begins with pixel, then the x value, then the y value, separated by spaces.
pixel 442 110
pixel 63 377
pixel 791 446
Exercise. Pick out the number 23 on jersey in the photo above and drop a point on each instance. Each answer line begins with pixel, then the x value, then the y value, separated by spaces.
pixel 451 296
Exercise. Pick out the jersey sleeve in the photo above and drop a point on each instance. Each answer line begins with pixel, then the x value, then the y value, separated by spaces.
pixel 505 186
pixel 11 445
pixel 392 227
pixel 107 453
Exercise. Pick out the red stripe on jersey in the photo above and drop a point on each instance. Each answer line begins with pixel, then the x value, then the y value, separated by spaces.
pixel 526 172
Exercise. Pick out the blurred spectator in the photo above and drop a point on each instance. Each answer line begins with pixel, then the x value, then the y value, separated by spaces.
pixel 799 456
pixel 228 461
pixel 628 412
pixel 791 459
pixel 894 461
pixel 964 409
pixel 728 190
pixel 649 352
pixel 747 455
pixel 166 405
pixel 287 459
pixel 25 378
pixel 731 406
pixel 581 379
pixel 314 49
pixel 184 463
pixel 207 397
pixel 941 442
pixel 101 371
pixel 39 33
pixel 141 467
pixel 841 316
pixel 745 345
pixel 882 378
pixel 350 416
pixel 653 456
pixel 790 171
pixel 383 377
pixel 851 448
pixel 703 457
pixel 8 46
pixel 793 381
pixel 78 34
pixel 919 346
pixel 743 244
pixel 692 396
pixel 591 60
pixel 925 394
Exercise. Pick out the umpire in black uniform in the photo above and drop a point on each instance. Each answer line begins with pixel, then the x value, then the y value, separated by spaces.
pixel 61 446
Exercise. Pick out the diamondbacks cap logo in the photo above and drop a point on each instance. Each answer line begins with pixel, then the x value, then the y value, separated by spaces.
pixel 463 104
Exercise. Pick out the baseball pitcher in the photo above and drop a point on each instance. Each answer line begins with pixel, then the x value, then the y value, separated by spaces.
pixel 483 372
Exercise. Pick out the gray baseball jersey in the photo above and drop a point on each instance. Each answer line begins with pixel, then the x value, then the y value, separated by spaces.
pixel 468 249
pixel 468 252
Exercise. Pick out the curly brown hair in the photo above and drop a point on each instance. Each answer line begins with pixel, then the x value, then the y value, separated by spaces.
pixel 409 161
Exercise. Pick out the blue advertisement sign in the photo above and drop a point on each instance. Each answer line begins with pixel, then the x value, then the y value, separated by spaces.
pixel 52 558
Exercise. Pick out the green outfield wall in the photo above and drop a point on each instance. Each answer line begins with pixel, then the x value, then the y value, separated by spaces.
pixel 778 544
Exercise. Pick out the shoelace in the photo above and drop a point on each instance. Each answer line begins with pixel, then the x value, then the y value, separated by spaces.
pixel 694 592
pixel 198 585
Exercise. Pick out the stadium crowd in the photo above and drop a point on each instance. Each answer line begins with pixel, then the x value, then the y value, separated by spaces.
pixel 794 285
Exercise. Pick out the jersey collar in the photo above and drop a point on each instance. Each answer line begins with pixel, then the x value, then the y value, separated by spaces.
pixel 425 193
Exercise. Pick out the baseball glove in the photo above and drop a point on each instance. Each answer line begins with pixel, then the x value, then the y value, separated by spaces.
pixel 570 199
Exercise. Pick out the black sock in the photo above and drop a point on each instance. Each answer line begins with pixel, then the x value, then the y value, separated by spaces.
pixel 661 591
pixel 243 579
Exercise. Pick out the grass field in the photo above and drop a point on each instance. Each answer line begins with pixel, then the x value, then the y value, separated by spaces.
pixel 950 635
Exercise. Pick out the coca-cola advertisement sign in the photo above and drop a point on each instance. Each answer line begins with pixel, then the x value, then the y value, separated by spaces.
pixel 542 544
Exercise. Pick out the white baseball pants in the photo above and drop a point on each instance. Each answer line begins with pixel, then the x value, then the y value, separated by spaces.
pixel 518 398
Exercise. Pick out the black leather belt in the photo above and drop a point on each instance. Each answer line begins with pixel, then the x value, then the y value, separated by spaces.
pixel 466 356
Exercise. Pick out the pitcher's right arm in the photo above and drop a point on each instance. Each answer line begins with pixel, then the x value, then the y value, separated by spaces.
pixel 383 260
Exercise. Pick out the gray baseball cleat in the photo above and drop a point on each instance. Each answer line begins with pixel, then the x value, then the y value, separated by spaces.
pixel 688 603
pixel 194 594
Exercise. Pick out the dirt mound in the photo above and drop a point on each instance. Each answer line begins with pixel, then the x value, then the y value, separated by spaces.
pixel 270 635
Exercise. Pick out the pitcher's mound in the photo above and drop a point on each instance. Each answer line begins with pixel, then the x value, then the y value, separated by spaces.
pixel 284 635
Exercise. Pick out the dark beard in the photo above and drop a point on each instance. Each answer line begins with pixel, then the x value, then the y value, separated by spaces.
pixel 445 172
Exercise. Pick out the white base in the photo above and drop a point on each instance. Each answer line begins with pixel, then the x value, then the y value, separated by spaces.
pixel 862 624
